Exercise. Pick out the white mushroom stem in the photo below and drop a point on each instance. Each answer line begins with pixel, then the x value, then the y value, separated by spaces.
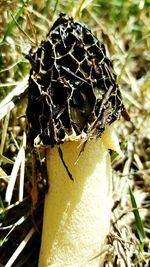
pixel 77 214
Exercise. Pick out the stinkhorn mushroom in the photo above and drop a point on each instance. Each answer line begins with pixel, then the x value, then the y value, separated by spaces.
pixel 73 102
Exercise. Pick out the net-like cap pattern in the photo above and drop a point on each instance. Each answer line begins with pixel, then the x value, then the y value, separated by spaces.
pixel 72 86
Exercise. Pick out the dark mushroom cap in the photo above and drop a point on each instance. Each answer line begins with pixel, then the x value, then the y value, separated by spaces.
pixel 72 86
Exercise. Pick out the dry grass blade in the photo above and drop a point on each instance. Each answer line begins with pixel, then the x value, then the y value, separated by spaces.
pixel 9 102
pixel 20 248
pixel 4 132
pixel 22 170
pixel 12 227
pixel 20 159
pixel 133 101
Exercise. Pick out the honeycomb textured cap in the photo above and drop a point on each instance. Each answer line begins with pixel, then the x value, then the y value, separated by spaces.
pixel 72 86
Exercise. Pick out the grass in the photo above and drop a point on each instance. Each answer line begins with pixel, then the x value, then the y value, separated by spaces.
pixel 124 28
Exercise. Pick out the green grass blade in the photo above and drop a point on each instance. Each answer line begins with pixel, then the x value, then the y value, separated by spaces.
pixel 55 7
pixel 11 23
pixel 5 159
pixel 1 204
pixel 138 221
pixel 81 4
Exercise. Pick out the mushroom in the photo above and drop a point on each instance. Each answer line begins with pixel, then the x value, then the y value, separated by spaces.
pixel 73 103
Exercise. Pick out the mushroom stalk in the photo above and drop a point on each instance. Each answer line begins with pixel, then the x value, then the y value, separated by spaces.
pixel 77 214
